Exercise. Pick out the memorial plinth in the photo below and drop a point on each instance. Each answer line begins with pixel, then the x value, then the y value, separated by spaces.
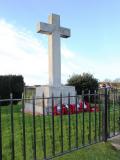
pixel 50 91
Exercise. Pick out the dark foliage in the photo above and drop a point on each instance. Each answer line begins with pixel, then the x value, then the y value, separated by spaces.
pixel 11 84
pixel 84 82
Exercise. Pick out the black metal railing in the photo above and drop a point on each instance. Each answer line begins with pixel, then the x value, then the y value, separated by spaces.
pixel 70 123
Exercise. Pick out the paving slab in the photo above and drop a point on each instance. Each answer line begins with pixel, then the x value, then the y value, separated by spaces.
pixel 115 141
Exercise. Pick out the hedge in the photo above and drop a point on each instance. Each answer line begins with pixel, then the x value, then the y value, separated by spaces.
pixel 11 84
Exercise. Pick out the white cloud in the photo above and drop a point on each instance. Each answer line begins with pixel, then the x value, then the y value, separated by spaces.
pixel 102 67
pixel 21 52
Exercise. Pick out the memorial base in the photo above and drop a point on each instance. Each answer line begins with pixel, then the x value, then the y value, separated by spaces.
pixel 48 91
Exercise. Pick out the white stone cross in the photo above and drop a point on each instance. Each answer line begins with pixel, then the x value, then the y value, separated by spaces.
pixel 54 32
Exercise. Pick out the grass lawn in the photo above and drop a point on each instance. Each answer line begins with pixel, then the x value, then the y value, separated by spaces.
pixel 100 151
pixel 82 132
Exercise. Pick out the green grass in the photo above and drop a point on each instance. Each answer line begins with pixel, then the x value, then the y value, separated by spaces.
pixel 101 151
pixel 18 132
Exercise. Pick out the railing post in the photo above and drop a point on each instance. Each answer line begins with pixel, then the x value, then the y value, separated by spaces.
pixel 69 122
pixel 83 119
pixel 89 136
pixel 34 129
pixel 95 120
pixel 12 127
pixel 53 128
pixel 61 120
pixel 108 108
pixel 0 134
pixel 44 128
pixel 76 120
pixel 105 116
pixel 23 121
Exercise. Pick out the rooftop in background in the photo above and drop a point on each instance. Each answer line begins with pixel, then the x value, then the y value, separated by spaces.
pixel 109 85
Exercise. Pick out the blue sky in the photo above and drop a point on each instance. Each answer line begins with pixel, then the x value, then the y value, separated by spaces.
pixel 93 46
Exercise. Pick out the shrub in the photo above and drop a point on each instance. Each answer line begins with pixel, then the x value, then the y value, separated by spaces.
pixel 11 84
pixel 84 82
